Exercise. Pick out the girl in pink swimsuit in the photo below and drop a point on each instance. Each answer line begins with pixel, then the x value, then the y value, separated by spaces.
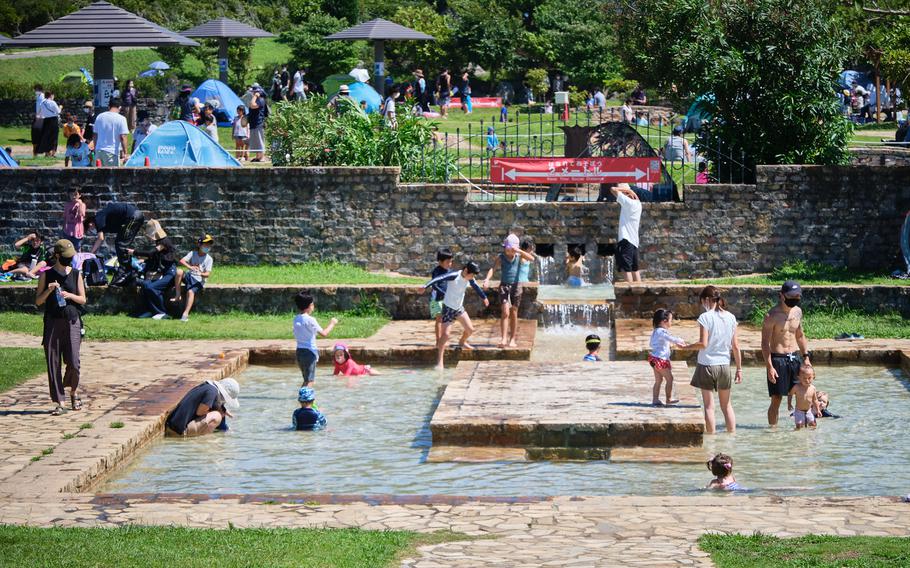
pixel 345 364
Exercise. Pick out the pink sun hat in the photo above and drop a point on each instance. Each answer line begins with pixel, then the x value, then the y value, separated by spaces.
pixel 511 242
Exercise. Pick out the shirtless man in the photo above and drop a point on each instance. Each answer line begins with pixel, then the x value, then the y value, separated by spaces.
pixel 782 341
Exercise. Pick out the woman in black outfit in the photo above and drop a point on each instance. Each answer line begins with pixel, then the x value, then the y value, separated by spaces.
pixel 62 293
pixel 160 270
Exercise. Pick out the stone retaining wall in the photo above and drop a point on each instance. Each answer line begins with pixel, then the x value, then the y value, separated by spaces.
pixel 846 216
pixel 19 112
pixel 402 302
pixel 881 156
pixel 640 301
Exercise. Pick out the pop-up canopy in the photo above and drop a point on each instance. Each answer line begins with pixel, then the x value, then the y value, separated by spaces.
pixel 179 144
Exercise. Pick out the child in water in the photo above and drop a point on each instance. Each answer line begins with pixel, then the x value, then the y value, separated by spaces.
pixel 659 358
pixel 345 364
pixel 592 344
pixel 306 417
pixel 721 465
pixel 806 402
pixel 574 268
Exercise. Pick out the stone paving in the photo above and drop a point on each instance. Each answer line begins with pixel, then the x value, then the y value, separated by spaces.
pixel 633 335
pixel 135 383
pixel 562 405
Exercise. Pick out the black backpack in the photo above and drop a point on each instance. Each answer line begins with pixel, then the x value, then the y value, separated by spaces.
pixel 93 272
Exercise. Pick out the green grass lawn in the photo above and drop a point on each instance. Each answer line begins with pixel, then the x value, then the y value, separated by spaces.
pixel 308 273
pixel 148 547
pixel 809 273
pixel 19 364
pixel 235 325
pixel 266 53
pixel 760 551
pixel 828 323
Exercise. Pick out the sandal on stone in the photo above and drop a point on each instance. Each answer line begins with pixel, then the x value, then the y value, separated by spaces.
pixel 59 410
pixel 77 402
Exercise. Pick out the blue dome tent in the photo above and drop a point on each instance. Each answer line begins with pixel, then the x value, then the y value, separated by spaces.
pixel 6 161
pixel 228 101
pixel 363 92
pixel 180 144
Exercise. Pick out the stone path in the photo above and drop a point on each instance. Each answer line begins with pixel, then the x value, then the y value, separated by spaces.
pixel 562 531
pixel 135 383
pixel 633 335
pixel 557 405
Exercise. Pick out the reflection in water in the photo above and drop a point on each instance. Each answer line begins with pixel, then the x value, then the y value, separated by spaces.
pixel 377 440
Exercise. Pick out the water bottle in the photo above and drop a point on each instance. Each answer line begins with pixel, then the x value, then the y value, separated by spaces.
pixel 60 300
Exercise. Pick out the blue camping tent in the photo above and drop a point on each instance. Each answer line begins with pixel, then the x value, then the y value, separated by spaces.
pixel 363 92
pixel 228 101
pixel 180 144
pixel 6 161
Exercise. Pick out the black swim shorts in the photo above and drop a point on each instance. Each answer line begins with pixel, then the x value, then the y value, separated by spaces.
pixel 626 256
pixel 787 366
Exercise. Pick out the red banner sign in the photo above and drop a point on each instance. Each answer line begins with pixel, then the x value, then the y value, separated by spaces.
pixel 575 170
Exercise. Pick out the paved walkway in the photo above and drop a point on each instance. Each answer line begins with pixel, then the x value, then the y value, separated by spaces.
pixel 135 383
pixel 563 531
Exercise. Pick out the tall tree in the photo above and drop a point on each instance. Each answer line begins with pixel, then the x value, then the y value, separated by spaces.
pixel 312 51
pixel 771 66
pixel 431 55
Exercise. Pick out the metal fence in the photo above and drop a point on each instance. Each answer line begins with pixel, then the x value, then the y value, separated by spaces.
pixel 536 134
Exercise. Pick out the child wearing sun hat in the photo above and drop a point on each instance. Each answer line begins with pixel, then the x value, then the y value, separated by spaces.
pixel 306 417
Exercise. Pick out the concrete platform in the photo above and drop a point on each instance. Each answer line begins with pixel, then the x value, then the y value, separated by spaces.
pixel 563 405
pixel 412 342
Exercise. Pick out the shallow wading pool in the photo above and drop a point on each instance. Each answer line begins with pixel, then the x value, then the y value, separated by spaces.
pixel 378 439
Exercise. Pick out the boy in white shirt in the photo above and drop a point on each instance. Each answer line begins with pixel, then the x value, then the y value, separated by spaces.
pixel 627 241
pixel 305 329
pixel 197 266
pixel 453 306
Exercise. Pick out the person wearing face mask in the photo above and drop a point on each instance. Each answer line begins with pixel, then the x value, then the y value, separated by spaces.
pixel 62 293
pixel 717 337
pixel 160 270
pixel 782 342
pixel 197 266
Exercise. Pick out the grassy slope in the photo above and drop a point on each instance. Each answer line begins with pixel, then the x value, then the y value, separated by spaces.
pixel 18 364
pixel 266 52
pixel 152 547
pixel 760 551
pixel 229 326
pixel 304 274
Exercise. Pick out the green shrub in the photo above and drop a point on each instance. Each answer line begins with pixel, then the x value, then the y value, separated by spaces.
pixel 311 134
pixel 26 91
pixel 619 88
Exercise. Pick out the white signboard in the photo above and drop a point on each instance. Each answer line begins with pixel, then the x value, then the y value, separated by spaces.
pixel 103 90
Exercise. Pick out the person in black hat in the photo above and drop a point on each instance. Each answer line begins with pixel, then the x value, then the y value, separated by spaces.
pixel 784 345
pixel 183 108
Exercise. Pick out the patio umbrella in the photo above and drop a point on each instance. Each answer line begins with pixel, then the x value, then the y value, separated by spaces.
pixel 379 31
pixel 224 29
pixel 159 66
pixel 103 26
pixel 361 75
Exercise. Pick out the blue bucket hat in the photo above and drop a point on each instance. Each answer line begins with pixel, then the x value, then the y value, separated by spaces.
pixel 306 394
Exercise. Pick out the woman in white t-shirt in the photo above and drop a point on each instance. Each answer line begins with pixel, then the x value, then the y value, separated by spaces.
pixel 717 337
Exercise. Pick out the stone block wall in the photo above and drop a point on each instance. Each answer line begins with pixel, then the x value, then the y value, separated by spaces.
pixel 842 215
pixel 402 302
pixel 18 112
pixel 881 156
pixel 641 300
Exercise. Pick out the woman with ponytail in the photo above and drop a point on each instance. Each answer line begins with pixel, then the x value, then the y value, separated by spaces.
pixel 717 337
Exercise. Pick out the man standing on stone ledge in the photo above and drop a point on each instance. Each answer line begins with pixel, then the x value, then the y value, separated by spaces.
pixel 782 342
pixel 627 240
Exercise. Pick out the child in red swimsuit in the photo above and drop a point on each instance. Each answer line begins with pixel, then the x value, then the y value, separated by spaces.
pixel 345 364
